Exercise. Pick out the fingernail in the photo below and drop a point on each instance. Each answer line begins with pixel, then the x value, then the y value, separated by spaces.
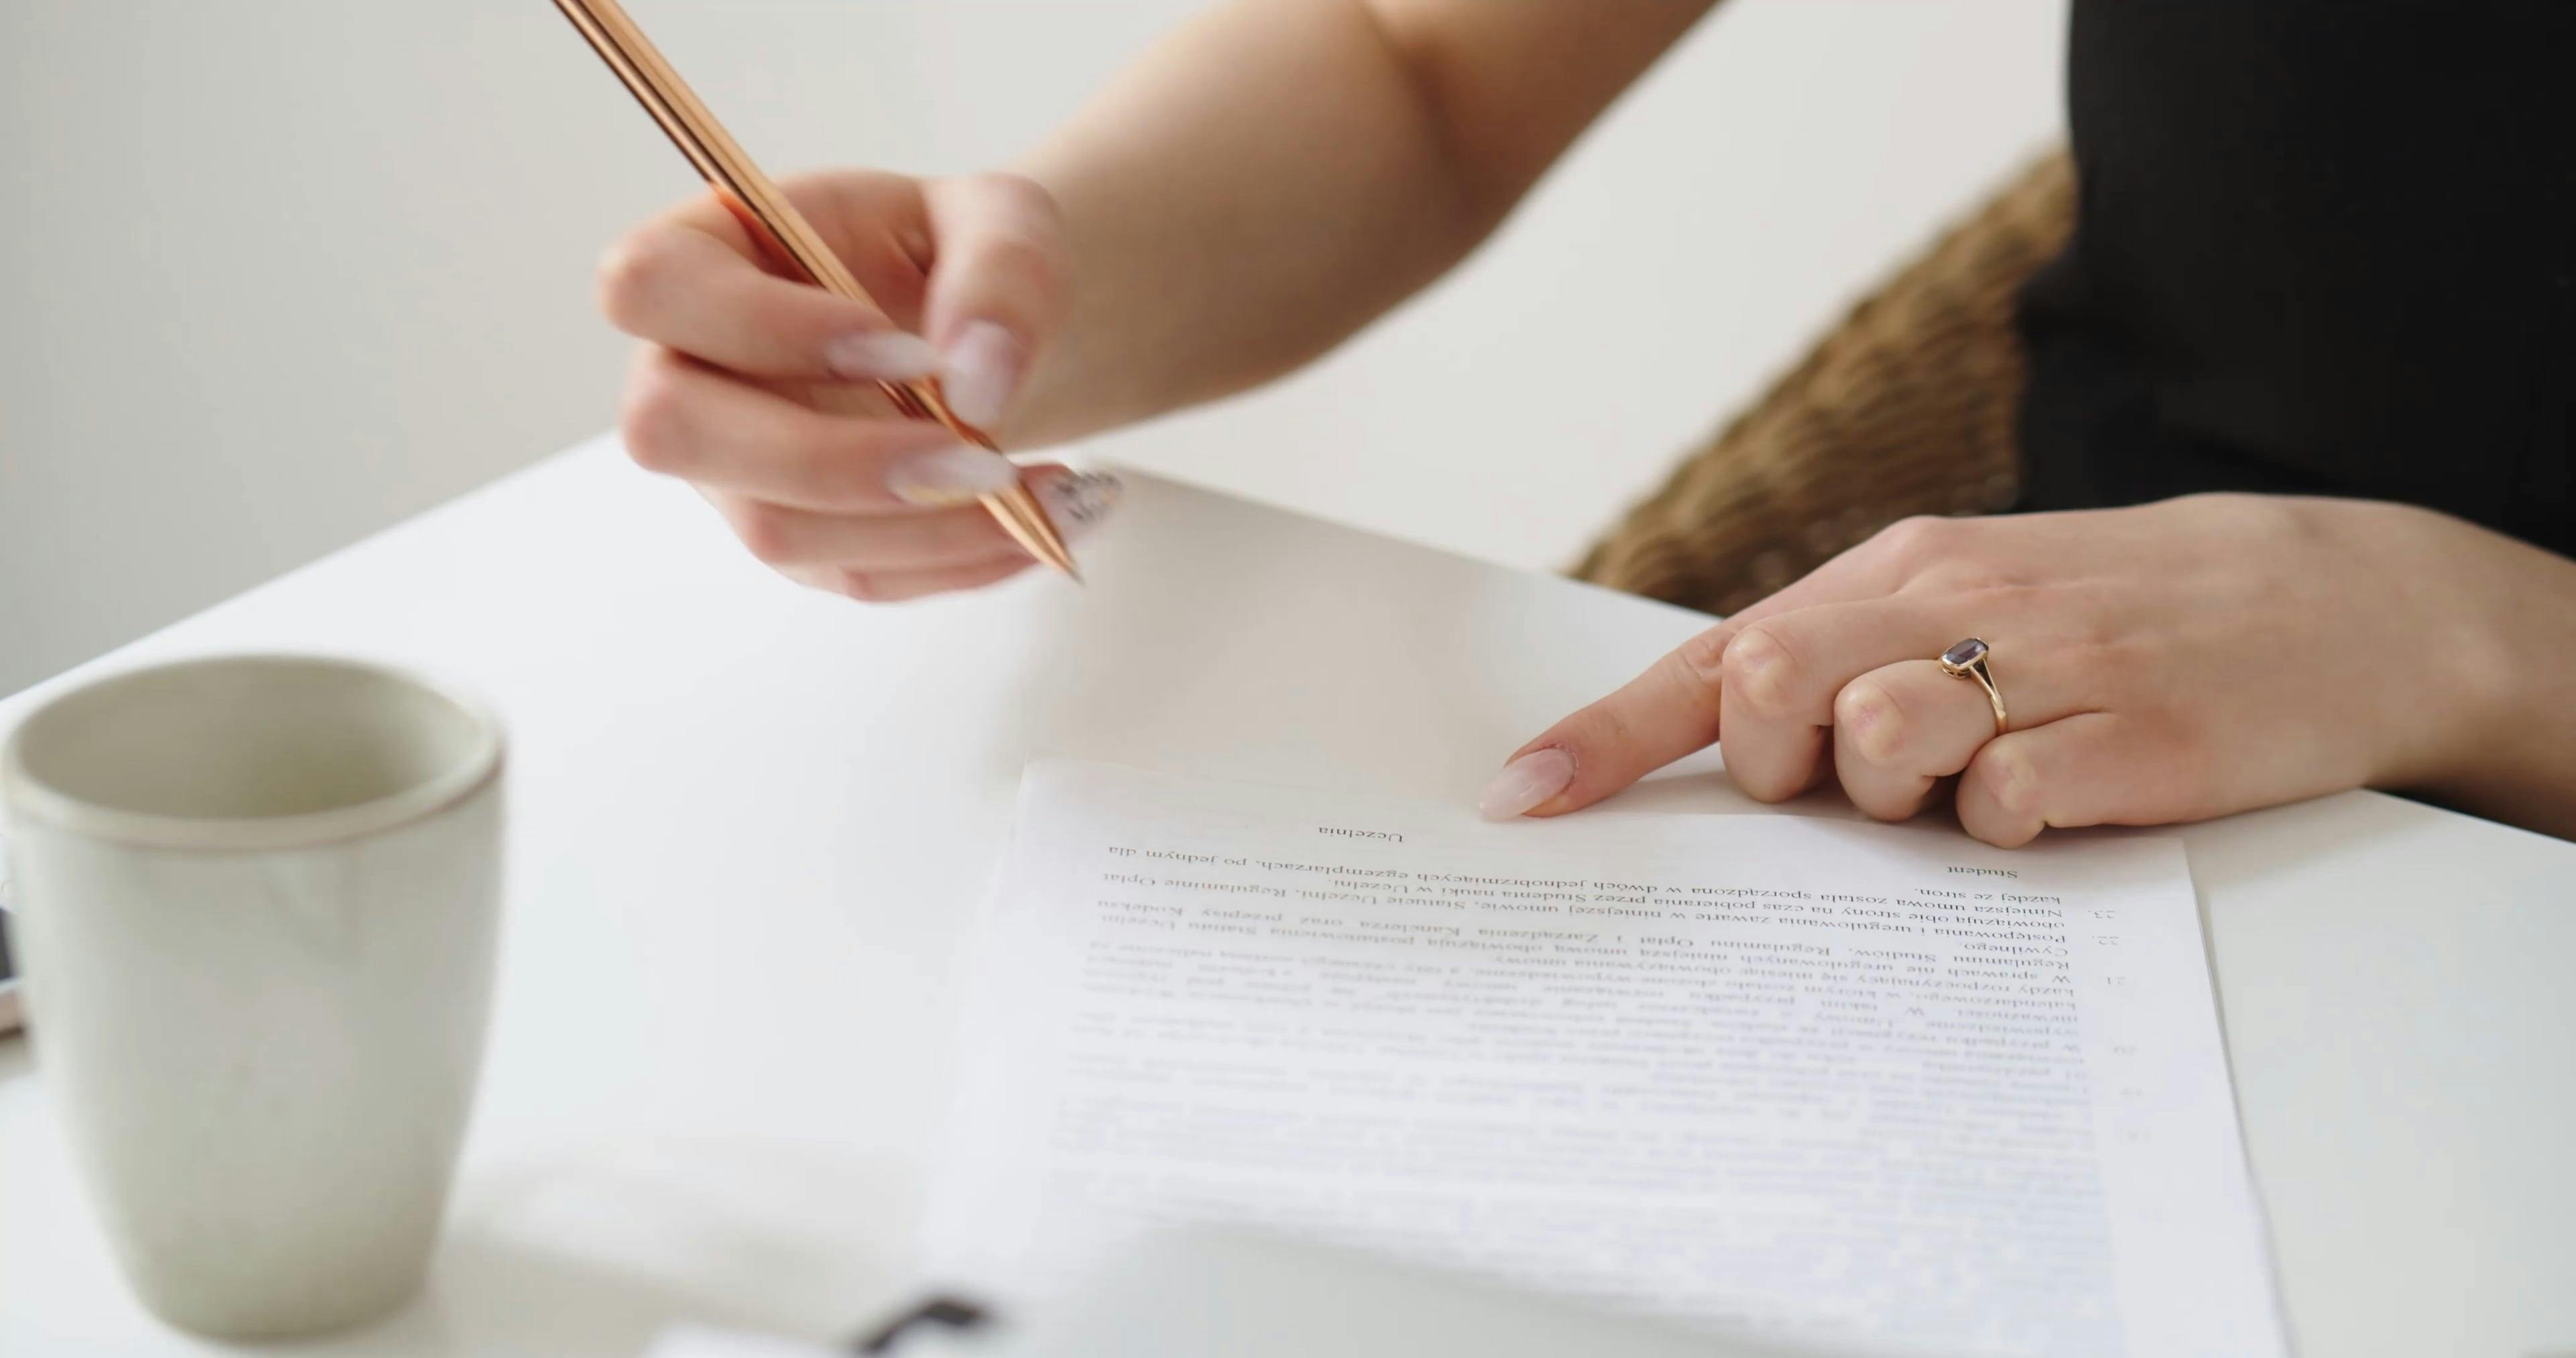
pixel 886 355
pixel 1078 503
pixel 1525 782
pixel 950 475
pixel 979 372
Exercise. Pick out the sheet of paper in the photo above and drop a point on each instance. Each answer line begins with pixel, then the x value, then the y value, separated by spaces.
pixel 1855 1087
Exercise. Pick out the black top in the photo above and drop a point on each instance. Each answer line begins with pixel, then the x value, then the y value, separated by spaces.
pixel 2324 247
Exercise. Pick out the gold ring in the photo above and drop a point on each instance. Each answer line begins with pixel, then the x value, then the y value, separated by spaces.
pixel 1967 660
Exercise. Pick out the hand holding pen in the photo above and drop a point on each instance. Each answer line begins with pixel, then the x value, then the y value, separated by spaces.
pixel 821 360
pixel 759 391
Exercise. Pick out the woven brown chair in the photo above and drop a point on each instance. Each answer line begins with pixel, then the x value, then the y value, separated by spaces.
pixel 1908 407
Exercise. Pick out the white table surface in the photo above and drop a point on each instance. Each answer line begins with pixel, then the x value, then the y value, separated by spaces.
pixel 750 822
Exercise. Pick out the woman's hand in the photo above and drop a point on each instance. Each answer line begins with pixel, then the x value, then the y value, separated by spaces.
pixel 2164 663
pixel 761 391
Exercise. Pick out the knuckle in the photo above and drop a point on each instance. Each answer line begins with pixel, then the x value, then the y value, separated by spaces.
pixel 1949 555
pixel 1025 262
pixel 1916 540
pixel 1020 228
pixel 862 586
pixel 1700 663
pixel 852 190
pixel 1024 195
pixel 631 272
pixel 2242 512
pixel 2005 776
pixel 767 533
pixel 1868 719
pixel 1761 671
pixel 1593 734
pixel 654 422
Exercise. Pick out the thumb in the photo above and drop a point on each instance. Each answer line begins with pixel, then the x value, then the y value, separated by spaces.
pixel 997 287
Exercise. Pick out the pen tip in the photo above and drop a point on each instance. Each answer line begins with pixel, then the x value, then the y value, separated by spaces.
pixel 1018 512
pixel 1051 551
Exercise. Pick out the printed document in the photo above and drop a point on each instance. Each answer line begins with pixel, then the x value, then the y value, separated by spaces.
pixel 1845 1088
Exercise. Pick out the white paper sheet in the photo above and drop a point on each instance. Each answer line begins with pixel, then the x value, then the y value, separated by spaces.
pixel 1860 1088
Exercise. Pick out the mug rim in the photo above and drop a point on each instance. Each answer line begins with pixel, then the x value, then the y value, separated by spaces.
pixel 27 795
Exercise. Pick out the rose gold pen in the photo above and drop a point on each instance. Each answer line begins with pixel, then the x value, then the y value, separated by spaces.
pixel 784 232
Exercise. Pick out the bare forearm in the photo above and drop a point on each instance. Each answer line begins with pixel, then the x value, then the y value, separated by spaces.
pixel 1278 174
pixel 1262 184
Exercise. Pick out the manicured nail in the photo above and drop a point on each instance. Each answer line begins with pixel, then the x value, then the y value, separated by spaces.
pixel 881 355
pixel 980 371
pixel 1078 503
pixel 1525 782
pixel 950 475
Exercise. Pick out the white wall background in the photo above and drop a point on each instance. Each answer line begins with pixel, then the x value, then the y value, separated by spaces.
pixel 275 274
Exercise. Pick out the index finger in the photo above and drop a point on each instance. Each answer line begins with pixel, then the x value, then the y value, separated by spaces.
pixel 1670 710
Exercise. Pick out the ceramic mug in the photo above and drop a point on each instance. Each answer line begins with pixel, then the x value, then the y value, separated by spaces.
pixel 256 903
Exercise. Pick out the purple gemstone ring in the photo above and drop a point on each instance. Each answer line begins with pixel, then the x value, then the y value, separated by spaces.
pixel 1967 660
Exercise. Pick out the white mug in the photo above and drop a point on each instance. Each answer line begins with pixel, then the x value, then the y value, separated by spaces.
pixel 256 903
